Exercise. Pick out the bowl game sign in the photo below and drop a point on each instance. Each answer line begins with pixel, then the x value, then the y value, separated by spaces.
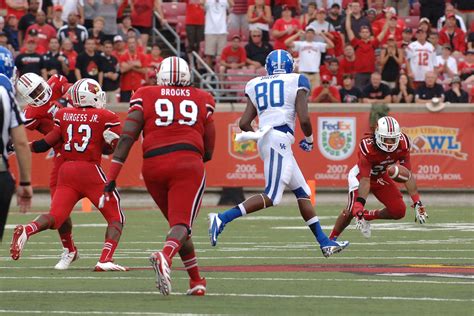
pixel 336 137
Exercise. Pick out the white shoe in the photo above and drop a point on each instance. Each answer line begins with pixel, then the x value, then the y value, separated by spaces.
pixel 159 262
pixel 363 226
pixel 18 242
pixel 66 259
pixel 109 266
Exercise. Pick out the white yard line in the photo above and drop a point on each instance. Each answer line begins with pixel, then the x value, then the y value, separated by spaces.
pixel 250 295
pixel 10 311
pixel 338 257
pixel 74 278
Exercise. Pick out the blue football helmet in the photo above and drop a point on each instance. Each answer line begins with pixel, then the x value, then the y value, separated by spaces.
pixel 7 64
pixel 279 62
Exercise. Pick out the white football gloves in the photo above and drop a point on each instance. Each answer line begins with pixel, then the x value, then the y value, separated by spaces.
pixel 110 136
pixel 420 213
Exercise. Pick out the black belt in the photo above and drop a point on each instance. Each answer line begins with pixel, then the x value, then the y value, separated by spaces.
pixel 169 149
pixel 284 129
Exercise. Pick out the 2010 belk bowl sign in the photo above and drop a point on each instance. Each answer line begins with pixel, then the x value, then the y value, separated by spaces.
pixel 336 137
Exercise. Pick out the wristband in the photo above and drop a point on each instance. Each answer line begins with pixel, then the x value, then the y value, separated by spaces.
pixel 25 183
pixel 309 139
pixel 361 200
pixel 415 198
pixel 114 170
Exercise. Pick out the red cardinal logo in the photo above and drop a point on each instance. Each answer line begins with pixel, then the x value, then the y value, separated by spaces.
pixel 92 87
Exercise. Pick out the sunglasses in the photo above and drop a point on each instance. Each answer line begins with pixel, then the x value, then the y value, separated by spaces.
pixel 256 35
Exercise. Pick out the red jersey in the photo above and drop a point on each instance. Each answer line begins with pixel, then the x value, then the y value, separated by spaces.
pixel 373 161
pixel 80 130
pixel 234 56
pixel 45 33
pixel 365 55
pixel 347 66
pixel 40 118
pixel 282 25
pixel 132 80
pixel 142 13
pixel 173 115
pixel 195 14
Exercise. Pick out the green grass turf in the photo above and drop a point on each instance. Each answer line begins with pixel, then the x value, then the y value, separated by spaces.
pixel 272 237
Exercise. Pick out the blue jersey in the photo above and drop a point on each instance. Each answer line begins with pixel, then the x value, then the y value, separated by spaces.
pixel 274 97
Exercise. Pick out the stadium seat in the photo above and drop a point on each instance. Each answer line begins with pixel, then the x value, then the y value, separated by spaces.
pixel 412 21
pixel 468 87
pixel 172 10
pixel 181 26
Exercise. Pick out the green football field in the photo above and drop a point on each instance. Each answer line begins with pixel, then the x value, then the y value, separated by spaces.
pixel 267 263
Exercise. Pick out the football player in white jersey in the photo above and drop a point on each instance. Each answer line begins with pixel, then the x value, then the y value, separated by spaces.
pixel 277 99
pixel 422 57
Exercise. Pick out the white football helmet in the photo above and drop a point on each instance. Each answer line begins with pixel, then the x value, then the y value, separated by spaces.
pixel 33 89
pixel 87 92
pixel 387 134
pixel 174 71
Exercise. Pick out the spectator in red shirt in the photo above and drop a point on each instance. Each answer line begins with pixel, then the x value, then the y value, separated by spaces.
pixel 332 70
pixel 259 16
pixel 119 47
pixel 348 62
pixel 326 93
pixel 33 35
pixel 393 31
pixel 195 17
pixel 364 50
pixel 17 8
pixel 133 66
pixel 233 56
pixel 142 16
pixel 293 5
pixel 453 35
pixel 154 62
pixel 284 28
pixel 67 48
pixel 466 68
pixel 45 31
pixel 396 26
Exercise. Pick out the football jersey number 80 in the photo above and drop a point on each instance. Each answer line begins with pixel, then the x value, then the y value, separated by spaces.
pixel 165 111
pixel 269 93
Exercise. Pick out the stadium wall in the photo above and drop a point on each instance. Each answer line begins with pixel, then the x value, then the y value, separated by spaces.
pixel 442 148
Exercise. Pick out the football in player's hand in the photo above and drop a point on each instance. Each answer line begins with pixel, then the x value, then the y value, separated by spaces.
pixel 399 173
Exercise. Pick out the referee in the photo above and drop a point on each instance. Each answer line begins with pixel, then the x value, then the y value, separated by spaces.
pixel 11 127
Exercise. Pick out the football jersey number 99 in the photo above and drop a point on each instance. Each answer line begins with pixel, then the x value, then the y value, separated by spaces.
pixel 165 111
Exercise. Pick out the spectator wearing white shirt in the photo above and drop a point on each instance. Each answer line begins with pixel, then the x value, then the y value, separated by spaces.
pixel 309 53
pixel 326 4
pixel 320 25
pixel 446 65
pixel 215 28
pixel 71 6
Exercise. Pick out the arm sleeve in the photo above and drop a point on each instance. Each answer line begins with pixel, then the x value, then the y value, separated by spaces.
pixel 113 122
pixel 210 108
pixel 136 102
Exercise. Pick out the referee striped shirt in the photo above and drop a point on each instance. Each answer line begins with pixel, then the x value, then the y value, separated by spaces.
pixel 10 117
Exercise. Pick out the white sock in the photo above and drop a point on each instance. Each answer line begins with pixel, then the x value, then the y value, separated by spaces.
pixel 242 209
pixel 312 221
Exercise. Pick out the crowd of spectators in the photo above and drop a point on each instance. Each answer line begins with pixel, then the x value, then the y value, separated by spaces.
pixel 351 50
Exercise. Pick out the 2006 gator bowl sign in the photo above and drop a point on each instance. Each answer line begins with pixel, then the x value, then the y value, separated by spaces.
pixel 436 140
pixel 336 137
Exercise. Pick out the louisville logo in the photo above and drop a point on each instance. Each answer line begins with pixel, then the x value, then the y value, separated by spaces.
pixel 241 150
pixel 92 87
pixel 435 140
pixel 336 137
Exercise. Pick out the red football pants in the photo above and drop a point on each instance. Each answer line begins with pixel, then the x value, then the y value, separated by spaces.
pixel 53 177
pixel 387 192
pixel 176 182
pixel 79 179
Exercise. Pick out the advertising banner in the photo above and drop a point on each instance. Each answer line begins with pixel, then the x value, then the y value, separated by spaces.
pixel 442 152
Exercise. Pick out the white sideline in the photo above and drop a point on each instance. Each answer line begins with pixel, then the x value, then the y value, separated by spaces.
pixel 73 278
pixel 315 257
pixel 9 311
pixel 384 298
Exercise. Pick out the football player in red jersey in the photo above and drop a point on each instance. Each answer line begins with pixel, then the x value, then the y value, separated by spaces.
pixel 42 104
pixel 83 131
pixel 386 147
pixel 179 135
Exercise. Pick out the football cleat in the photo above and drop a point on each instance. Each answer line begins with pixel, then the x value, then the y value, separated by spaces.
pixel 216 226
pixel 197 288
pixel 66 259
pixel 159 262
pixel 18 242
pixel 109 266
pixel 333 247
pixel 420 213
pixel 363 226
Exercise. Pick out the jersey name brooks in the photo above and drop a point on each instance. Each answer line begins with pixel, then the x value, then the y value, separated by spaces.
pixel 274 98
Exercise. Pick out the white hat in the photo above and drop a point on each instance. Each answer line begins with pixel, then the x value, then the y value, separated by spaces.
pixel 118 38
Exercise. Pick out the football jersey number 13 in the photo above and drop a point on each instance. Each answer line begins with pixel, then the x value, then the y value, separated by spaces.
pixel 83 129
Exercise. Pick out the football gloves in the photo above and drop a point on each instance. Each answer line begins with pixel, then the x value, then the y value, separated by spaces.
pixel 358 210
pixel 110 137
pixel 420 213
pixel 108 190
pixel 306 146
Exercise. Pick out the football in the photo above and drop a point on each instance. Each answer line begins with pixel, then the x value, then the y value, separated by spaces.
pixel 399 173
